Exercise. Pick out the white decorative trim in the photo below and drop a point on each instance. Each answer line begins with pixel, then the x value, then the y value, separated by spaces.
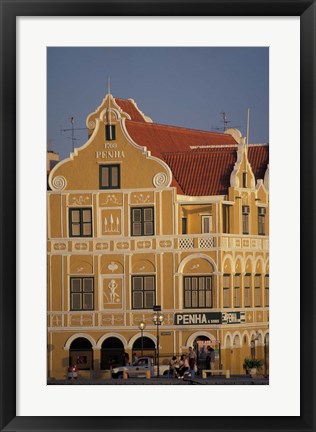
pixel 76 336
pixel 108 335
pixel 195 256
pixel 138 335
pixel 145 117
pixel 196 334
pixel 59 183
pixel 160 180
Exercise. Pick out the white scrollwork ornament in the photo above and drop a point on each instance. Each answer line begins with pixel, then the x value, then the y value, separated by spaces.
pixel 59 183
pixel 91 124
pixel 160 180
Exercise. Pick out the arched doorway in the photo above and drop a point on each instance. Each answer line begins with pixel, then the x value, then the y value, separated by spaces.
pixel 81 354
pixel 200 345
pixel 145 345
pixel 112 353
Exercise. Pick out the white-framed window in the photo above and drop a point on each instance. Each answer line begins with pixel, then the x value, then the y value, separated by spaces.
pixel 257 283
pixel 143 291
pixel 266 290
pixel 142 221
pixel 237 290
pixel 81 293
pixel 226 291
pixel 206 224
pixel 197 291
pixel 261 220
pixel 245 219
pixel 80 222
pixel 247 289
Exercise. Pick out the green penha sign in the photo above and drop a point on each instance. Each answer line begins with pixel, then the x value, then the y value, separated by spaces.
pixel 207 318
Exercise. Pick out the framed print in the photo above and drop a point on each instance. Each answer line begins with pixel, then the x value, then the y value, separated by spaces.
pixel 40 358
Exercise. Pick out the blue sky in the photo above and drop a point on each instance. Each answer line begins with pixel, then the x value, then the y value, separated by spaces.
pixel 186 87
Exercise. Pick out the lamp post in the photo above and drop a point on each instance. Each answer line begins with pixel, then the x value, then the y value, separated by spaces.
pixel 157 320
pixel 141 327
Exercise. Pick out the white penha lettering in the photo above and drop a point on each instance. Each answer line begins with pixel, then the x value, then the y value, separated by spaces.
pixel 179 318
pixel 110 154
pixel 186 319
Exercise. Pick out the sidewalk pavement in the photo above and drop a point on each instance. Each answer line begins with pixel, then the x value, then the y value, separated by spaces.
pixel 213 380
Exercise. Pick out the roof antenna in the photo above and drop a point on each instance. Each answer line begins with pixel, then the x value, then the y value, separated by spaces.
pixel 248 121
pixel 109 101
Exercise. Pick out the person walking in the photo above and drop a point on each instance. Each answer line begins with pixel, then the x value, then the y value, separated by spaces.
pixel 192 361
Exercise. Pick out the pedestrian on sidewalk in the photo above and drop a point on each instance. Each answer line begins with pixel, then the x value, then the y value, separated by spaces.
pixel 192 361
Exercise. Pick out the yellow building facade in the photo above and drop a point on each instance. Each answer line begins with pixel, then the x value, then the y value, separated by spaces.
pixel 146 214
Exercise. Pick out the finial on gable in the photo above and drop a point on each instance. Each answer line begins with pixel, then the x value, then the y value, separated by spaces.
pixel 109 102
pixel 248 123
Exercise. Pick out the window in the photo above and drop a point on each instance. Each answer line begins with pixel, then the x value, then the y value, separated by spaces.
pixel 266 290
pixel 226 291
pixel 142 221
pixel 257 291
pixel 237 290
pixel 184 225
pixel 261 220
pixel 110 132
pixel 247 290
pixel 197 291
pixel 80 222
pixel 226 219
pixel 143 292
pixel 81 293
pixel 109 177
pixel 245 219
pixel 244 180
pixel 206 224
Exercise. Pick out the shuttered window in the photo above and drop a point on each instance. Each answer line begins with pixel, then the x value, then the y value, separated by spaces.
pixel 109 177
pixel 261 220
pixel 142 220
pixel 226 291
pixel 237 290
pixel 197 291
pixel 245 219
pixel 257 290
pixel 81 293
pixel 143 292
pixel 80 222
pixel 206 224
pixel 247 290
pixel 266 290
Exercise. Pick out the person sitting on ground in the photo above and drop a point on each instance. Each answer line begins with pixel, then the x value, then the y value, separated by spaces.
pixel 183 366
pixel 173 363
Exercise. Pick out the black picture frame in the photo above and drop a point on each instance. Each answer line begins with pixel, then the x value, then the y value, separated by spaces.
pixel 10 10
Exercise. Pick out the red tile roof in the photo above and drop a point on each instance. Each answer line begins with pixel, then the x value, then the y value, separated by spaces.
pixel 201 173
pixel 201 162
pixel 128 107
pixel 162 138
pixel 258 156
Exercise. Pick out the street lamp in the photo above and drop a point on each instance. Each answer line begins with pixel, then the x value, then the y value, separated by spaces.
pixel 157 320
pixel 141 327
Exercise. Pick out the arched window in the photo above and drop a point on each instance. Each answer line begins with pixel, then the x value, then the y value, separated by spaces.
pixel 81 354
pixel 112 353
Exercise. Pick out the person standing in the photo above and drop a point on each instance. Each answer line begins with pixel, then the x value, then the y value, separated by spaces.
pixel 210 358
pixel 192 361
